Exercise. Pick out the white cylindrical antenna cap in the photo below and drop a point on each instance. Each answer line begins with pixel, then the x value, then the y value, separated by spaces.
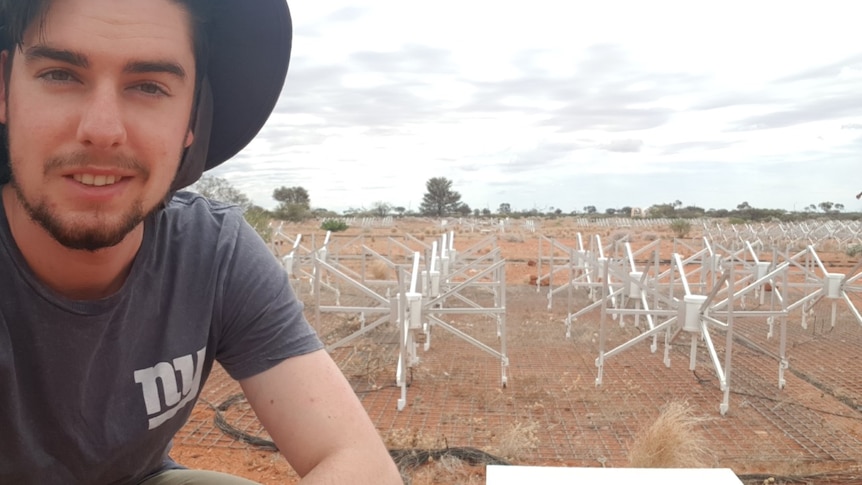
pixel 833 285
pixel 691 323
pixel 634 286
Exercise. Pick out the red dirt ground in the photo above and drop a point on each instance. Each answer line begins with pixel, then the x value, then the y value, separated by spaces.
pixel 551 412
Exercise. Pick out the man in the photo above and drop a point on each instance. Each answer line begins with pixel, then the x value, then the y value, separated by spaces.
pixel 117 292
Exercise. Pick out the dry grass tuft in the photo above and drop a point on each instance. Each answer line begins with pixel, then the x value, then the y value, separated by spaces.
pixel 517 440
pixel 404 438
pixel 449 469
pixel 367 365
pixel 379 270
pixel 673 440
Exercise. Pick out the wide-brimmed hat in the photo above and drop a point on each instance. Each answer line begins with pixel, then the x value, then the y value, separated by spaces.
pixel 249 50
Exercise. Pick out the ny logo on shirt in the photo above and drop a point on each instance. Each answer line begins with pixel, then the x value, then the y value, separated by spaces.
pixel 176 395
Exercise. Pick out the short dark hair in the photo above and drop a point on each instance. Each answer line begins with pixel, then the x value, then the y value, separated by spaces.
pixel 16 16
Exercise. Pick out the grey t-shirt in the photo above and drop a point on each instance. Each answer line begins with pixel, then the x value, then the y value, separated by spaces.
pixel 93 391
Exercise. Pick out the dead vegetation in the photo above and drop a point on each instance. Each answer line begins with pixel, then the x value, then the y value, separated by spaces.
pixel 448 469
pixel 674 440
pixel 427 459
pixel 379 270
pixel 517 440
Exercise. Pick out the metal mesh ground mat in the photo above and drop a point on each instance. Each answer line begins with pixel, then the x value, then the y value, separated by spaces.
pixel 551 412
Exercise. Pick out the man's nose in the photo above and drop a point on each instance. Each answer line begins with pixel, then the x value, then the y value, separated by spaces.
pixel 102 125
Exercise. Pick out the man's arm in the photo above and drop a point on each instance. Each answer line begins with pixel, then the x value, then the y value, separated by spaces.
pixel 315 419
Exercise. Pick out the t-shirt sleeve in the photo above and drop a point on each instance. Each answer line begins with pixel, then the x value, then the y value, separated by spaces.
pixel 261 321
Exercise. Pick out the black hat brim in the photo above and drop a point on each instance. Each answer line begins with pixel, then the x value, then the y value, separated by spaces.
pixel 250 42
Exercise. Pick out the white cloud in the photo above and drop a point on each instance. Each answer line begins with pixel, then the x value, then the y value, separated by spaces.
pixel 565 104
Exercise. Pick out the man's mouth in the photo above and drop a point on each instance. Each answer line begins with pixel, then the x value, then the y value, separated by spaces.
pixel 96 180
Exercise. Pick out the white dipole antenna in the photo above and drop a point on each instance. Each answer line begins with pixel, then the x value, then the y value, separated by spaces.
pixel 444 257
pixel 434 273
pixel 433 266
pixel 288 260
pixel 415 274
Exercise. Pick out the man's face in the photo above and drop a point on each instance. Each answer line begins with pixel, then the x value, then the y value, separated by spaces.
pixel 97 109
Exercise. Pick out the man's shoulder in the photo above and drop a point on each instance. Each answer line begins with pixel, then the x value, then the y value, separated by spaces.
pixel 190 208
pixel 186 199
pixel 193 218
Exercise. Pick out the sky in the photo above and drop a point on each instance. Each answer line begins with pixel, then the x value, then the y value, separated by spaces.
pixel 562 104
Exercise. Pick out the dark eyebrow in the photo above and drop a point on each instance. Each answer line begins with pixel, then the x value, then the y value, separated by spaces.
pixel 76 59
pixel 44 52
pixel 143 67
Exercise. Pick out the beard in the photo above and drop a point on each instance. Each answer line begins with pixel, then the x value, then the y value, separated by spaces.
pixel 97 232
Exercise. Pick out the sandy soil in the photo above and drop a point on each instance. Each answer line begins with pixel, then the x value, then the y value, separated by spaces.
pixel 551 412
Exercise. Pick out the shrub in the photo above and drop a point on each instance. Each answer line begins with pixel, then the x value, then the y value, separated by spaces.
pixel 334 225
pixel 680 227
pixel 854 250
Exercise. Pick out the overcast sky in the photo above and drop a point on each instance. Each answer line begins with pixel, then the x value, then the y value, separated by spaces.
pixel 563 104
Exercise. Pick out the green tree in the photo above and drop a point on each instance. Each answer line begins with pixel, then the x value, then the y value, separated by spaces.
pixel 439 200
pixel 292 195
pixel 380 208
pixel 505 209
pixel 292 212
pixel 322 213
pixel 590 209
pixel 661 210
pixel 293 203
pixel 690 212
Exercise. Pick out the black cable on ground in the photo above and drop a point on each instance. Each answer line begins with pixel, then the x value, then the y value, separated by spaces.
pixel 410 458
pixel 234 432
pixel 405 459
pixel 819 385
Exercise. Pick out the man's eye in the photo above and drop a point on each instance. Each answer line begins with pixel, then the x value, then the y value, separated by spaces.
pixel 150 88
pixel 58 76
